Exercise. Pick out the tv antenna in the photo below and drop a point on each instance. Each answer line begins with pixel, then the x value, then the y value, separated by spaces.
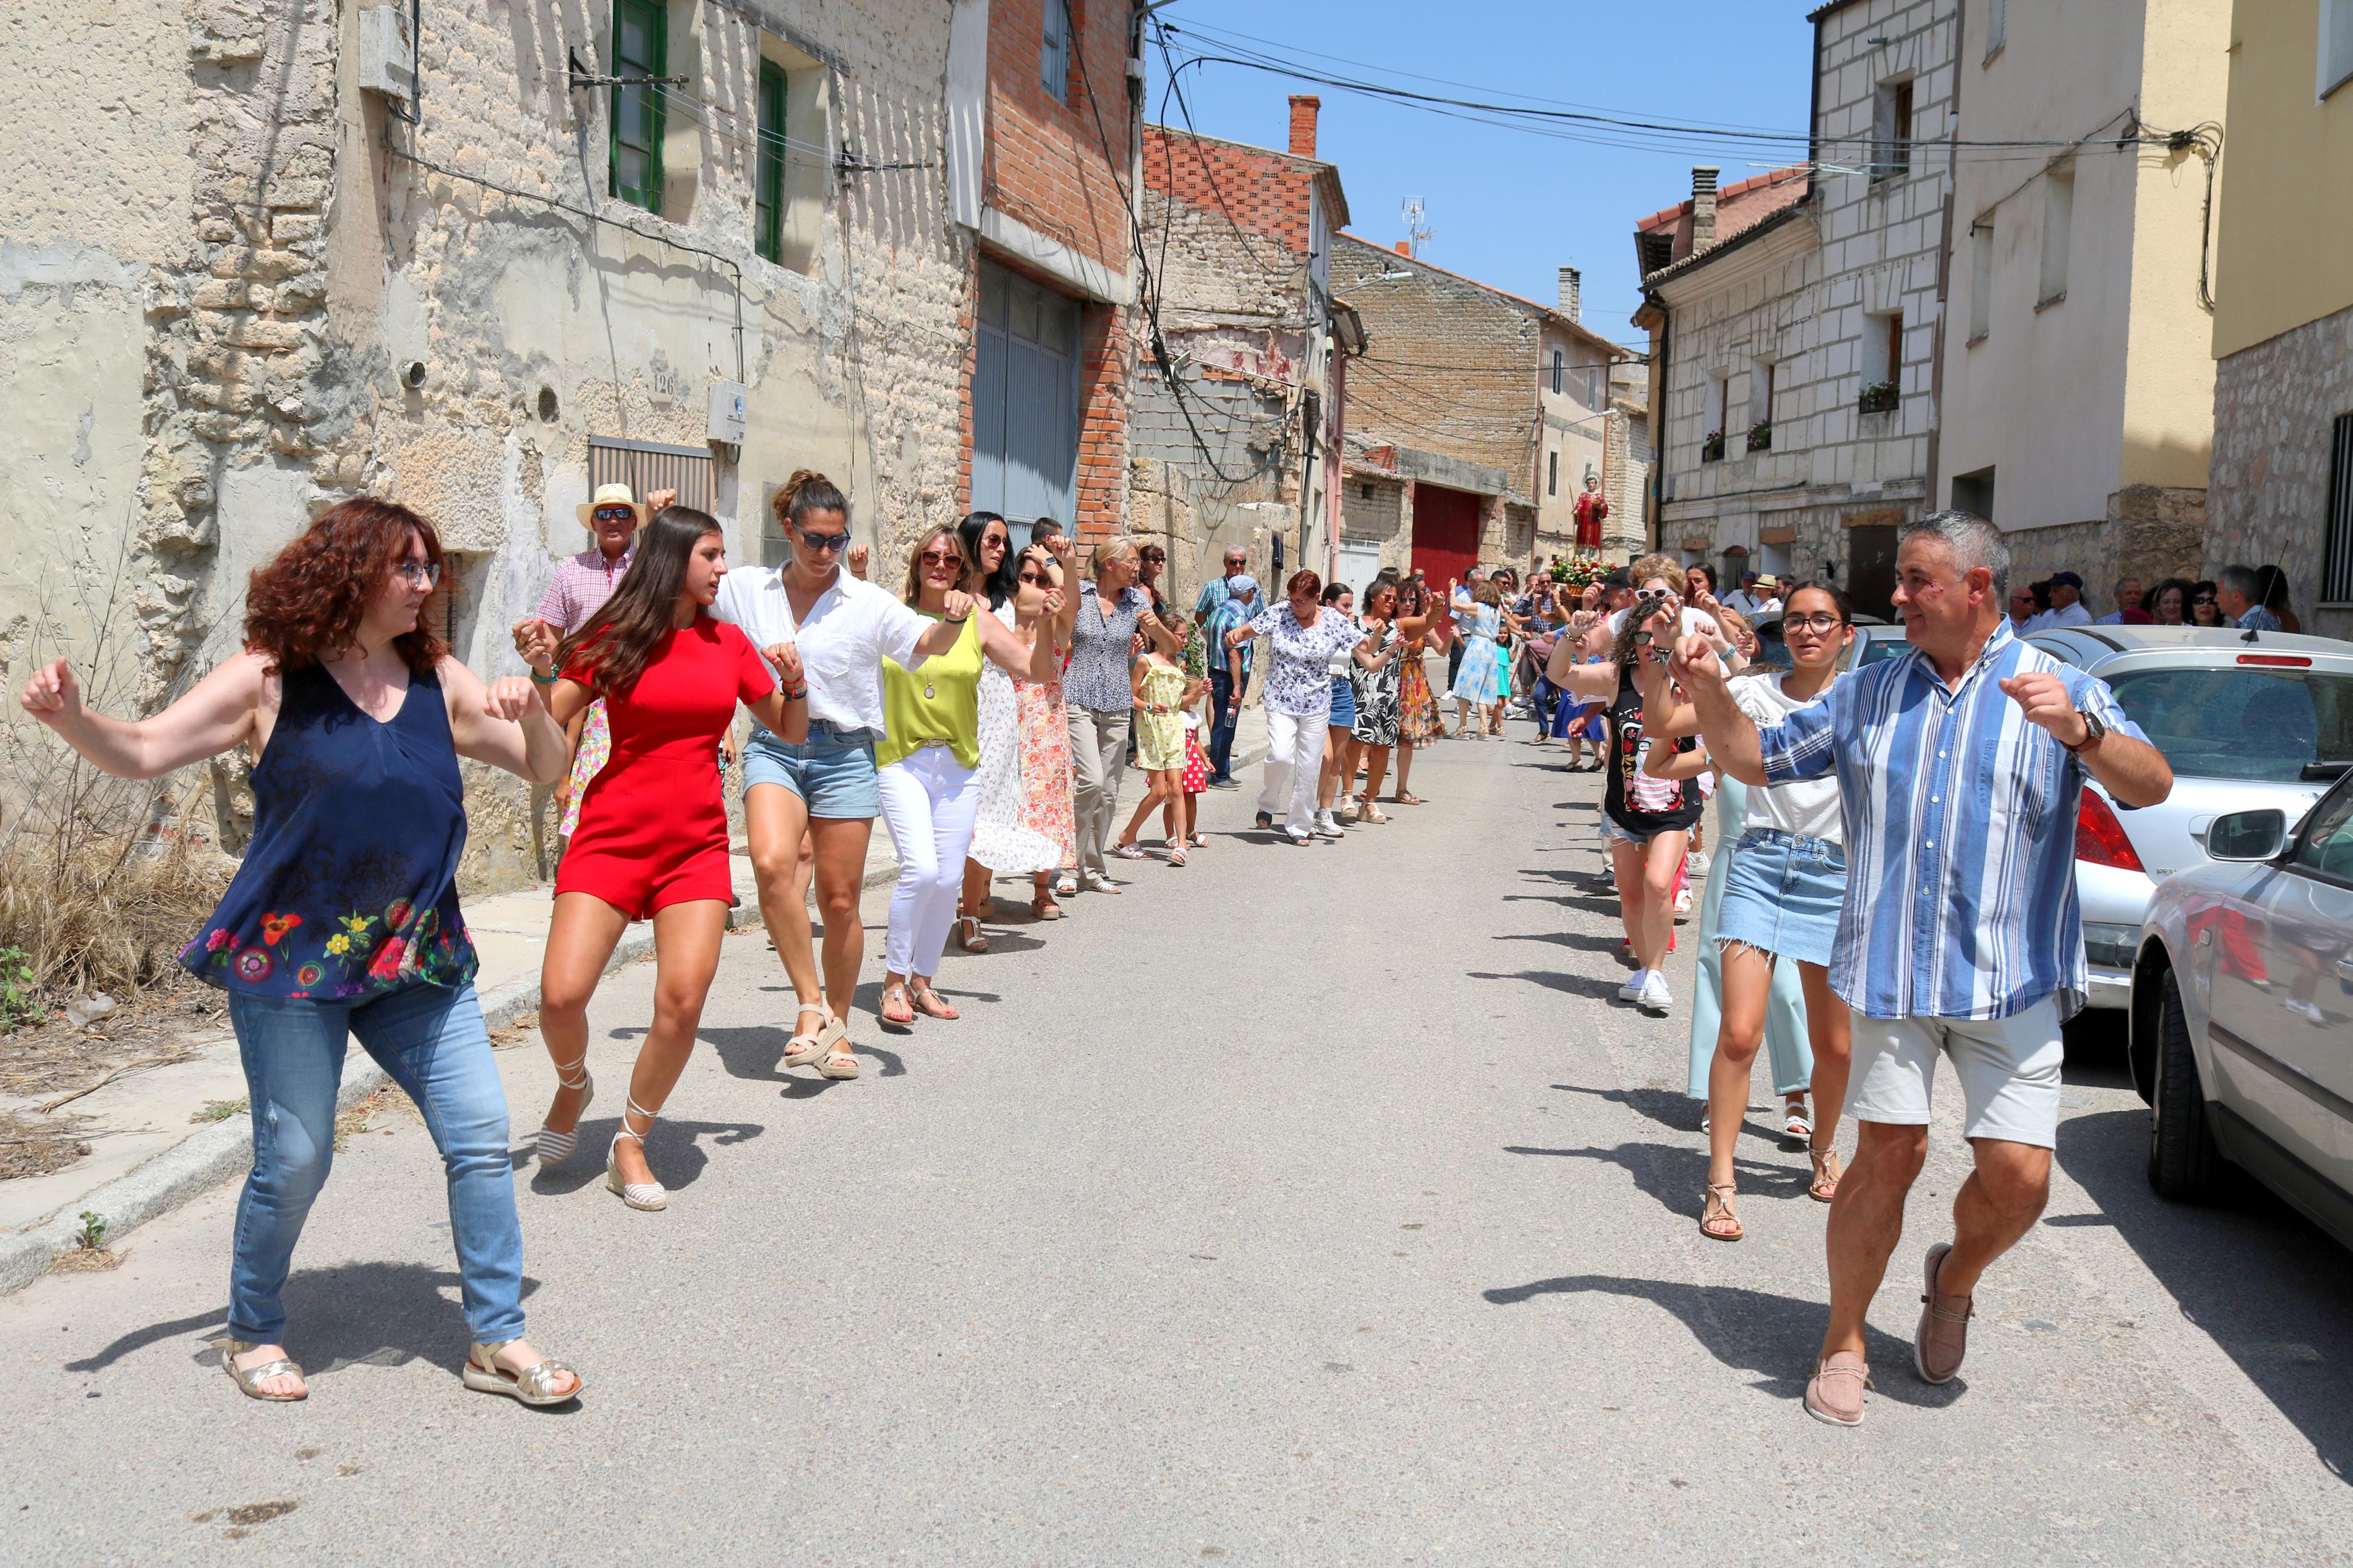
pixel 1417 231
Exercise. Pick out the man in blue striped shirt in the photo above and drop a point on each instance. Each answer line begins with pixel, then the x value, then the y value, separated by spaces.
pixel 1960 763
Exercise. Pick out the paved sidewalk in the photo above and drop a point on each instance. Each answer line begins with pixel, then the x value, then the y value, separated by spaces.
pixel 150 1152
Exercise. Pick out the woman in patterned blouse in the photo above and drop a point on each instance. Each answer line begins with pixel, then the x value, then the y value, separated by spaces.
pixel 1304 635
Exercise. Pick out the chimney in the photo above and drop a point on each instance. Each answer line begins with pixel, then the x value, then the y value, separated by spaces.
pixel 1703 208
pixel 1570 282
pixel 1302 123
pixel 1405 247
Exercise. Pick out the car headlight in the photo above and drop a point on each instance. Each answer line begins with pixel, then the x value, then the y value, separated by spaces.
pixel 2107 946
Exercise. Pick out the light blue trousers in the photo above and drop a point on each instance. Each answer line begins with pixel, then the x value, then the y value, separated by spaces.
pixel 1785 1007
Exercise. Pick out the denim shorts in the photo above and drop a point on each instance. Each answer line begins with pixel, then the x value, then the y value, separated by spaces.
pixel 1343 702
pixel 832 771
pixel 1782 895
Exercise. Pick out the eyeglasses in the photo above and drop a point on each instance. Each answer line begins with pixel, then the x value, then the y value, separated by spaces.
pixel 422 574
pixel 1823 622
pixel 941 558
pixel 615 514
pixel 825 543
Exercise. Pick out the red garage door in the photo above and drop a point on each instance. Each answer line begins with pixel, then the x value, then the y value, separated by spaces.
pixel 1445 533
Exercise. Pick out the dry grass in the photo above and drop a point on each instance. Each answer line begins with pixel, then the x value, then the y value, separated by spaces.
pixel 88 1260
pixel 35 1147
pixel 91 912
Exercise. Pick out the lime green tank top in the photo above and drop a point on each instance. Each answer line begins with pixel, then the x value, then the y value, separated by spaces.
pixel 937 704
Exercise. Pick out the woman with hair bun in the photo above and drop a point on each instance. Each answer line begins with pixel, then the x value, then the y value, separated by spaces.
pixel 1304 635
pixel 343 918
pixel 652 838
pixel 824 787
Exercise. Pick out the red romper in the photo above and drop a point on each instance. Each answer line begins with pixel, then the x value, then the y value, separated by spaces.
pixel 653 824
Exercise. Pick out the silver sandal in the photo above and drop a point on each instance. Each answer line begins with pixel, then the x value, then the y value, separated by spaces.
pixel 249 1379
pixel 534 1385
pixel 555 1147
pixel 650 1197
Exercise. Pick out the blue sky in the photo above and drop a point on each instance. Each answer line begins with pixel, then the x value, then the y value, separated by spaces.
pixel 1507 207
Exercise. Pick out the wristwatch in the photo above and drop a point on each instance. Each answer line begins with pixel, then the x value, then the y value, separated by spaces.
pixel 2094 731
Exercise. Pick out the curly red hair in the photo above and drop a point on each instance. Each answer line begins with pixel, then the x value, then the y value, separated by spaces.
pixel 307 603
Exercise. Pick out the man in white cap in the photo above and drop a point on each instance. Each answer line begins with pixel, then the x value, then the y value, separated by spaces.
pixel 582 584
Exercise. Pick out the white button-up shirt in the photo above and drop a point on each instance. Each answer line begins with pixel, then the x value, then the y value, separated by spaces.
pixel 843 640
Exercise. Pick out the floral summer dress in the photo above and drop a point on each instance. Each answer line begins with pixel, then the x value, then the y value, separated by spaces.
pixel 348 887
pixel 1002 839
pixel 1160 736
pixel 1417 708
pixel 1045 777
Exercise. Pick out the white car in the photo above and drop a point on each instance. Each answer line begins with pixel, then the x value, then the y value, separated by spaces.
pixel 2245 724
pixel 2243 1011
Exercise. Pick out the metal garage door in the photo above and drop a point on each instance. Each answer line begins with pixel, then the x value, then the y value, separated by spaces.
pixel 1024 400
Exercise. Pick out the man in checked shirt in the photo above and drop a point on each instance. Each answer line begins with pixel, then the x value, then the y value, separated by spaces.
pixel 1960 763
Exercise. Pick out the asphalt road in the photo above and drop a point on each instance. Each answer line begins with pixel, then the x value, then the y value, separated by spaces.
pixel 1300 1205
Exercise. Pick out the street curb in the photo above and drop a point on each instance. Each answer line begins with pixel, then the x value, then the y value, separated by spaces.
pixel 212 1155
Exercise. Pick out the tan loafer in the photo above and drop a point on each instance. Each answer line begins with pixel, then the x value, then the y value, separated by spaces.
pixel 1943 1337
pixel 1834 1394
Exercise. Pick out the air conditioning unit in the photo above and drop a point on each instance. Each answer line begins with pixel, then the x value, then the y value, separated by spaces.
pixel 388 62
pixel 726 413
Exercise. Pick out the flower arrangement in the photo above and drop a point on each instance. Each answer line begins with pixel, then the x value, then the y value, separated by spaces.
pixel 1710 447
pixel 1878 397
pixel 1760 436
pixel 1577 572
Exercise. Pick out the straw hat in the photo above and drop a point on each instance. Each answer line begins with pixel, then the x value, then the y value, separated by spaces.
pixel 611 495
pixel 1767 582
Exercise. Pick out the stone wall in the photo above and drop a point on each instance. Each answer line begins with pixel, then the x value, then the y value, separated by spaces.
pixel 224 323
pixel 2275 406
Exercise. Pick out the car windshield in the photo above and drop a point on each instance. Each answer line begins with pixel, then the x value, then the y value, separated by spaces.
pixel 2241 723
pixel 1872 649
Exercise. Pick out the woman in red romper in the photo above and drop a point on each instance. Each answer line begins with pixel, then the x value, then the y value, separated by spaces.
pixel 652 838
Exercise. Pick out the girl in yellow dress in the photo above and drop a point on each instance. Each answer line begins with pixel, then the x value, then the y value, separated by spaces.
pixel 1162 692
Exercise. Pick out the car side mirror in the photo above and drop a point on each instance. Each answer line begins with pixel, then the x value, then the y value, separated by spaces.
pixel 2247 835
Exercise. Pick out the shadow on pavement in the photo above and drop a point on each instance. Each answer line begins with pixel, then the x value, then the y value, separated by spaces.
pixel 1587 985
pixel 673 1149
pixel 1587 941
pixel 1673 1109
pixel 376 1314
pixel 1775 1337
pixel 2272 1289
pixel 1675 1176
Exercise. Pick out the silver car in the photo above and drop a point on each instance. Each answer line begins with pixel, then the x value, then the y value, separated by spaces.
pixel 2243 1011
pixel 2267 723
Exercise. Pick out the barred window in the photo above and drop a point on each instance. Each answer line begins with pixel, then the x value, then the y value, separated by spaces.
pixel 2337 579
pixel 647 465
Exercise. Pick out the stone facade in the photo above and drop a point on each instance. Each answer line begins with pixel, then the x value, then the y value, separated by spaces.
pixel 1806 369
pixel 1230 449
pixel 280 297
pixel 2275 407
pixel 1461 370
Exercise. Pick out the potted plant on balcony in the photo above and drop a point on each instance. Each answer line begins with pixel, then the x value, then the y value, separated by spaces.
pixel 1710 447
pixel 1878 397
pixel 1760 436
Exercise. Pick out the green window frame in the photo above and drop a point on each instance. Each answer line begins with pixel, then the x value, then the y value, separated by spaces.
pixel 640 49
pixel 768 195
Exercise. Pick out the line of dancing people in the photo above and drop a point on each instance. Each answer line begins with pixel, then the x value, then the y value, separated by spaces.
pixel 984 711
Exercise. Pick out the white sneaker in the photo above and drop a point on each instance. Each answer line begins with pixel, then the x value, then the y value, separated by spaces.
pixel 1655 997
pixel 1327 827
pixel 1632 990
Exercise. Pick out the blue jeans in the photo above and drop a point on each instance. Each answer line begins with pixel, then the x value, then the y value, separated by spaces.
pixel 431 1040
pixel 1222 721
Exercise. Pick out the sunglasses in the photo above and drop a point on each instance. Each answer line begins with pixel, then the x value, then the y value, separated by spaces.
pixel 825 543
pixel 1039 578
pixel 423 574
pixel 941 558
pixel 2203 599
pixel 615 514
pixel 1156 556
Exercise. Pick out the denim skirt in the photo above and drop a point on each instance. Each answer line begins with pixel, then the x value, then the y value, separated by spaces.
pixel 1782 894
pixel 1343 702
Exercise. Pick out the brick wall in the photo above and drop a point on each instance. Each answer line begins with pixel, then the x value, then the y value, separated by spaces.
pixel 1061 167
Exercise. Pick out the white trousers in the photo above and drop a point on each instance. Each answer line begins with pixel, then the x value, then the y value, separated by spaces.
pixel 1295 765
pixel 929 800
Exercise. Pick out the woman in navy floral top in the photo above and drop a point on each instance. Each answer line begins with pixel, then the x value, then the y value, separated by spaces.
pixel 344 918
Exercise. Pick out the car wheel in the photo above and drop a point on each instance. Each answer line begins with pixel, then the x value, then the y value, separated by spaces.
pixel 2182 1159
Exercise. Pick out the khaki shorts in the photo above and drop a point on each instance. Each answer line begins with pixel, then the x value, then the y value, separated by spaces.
pixel 2009 1070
